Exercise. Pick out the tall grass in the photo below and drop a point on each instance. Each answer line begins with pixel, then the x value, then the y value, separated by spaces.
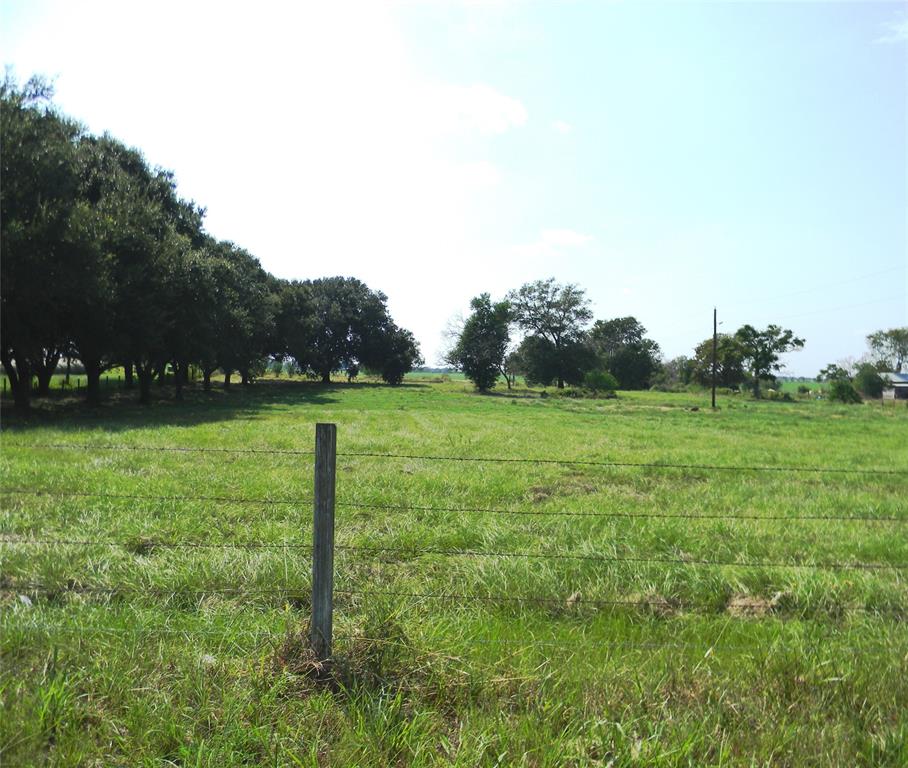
pixel 138 652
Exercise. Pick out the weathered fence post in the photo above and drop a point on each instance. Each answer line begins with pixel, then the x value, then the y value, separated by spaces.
pixel 323 540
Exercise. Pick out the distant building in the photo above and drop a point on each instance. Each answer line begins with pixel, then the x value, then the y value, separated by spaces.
pixel 895 386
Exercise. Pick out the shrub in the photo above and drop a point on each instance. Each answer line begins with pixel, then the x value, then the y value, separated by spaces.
pixel 868 381
pixel 582 392
pixel 842 391
pixel 666 387
pixel 803 389
pixel 600 381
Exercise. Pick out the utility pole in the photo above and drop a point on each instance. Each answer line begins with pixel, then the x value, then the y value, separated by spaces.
pixel 715 341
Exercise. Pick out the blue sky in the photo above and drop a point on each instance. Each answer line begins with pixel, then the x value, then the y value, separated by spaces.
pixel 665 156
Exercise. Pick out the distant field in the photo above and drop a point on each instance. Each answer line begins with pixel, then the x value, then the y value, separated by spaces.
pixel 487 613
pixel 792 386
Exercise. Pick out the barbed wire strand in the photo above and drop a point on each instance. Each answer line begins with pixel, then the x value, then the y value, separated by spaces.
pixel 152 497
pixel 622 515
pixel 476 553
pixel 338 639
pixel 480 459
pixel 448 597
pixel 150 544
pixel 641 464
pixel 460 510
pixel 618 559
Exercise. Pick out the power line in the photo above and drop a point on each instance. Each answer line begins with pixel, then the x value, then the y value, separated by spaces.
pixel 846 306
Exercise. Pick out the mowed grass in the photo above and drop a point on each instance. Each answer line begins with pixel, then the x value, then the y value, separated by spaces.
pixel 656 625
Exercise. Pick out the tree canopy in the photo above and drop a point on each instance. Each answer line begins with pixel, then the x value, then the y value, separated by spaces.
pixel 625 352
pixel 482 343
pixel 890 347
pixel 103 261
pixel 557 316
pixel 762 350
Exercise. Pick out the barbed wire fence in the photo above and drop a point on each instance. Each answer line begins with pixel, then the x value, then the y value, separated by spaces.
pixel 320 595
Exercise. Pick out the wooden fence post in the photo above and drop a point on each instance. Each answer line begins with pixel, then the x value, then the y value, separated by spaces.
pixel 323 540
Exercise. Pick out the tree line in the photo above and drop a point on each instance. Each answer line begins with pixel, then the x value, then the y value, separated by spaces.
pixel 562 345
pixel 848 380
pixel 104 262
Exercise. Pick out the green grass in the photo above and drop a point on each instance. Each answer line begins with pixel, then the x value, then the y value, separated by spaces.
pixel 144 653
pixel 791 386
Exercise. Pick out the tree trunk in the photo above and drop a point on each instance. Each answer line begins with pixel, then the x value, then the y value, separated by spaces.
pixel 45 370
pixel 146 376
pixel 93 381
pixel 20 382
pixel 127 376
pixel 560 382
pixel 244 378
pixel 178 371
pixel 326 377
pixel 206 378
pixel 226 379
pixel 161 375
pixel 44 376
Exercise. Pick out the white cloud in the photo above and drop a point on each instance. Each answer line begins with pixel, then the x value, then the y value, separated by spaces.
pixel 896 32
pixel 537 254
pixel 479 174
pixel 476 108
pixel 562 127
pixel 564 238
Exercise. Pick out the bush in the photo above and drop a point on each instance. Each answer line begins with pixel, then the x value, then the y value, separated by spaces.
pixel 803 389
pixel 842 391
pixel 868 381
pixel 666 387
pixel 600 381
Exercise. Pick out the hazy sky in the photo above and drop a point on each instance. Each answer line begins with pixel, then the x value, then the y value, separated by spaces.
pixel 665 156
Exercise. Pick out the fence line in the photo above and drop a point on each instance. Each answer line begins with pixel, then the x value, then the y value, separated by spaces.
pixel 641 464
pixel 152 497
pixel 667 604
pixel 622 515
pixel 157 591
pixel 617 559
pixel 319 593
pixel 153 544
pixel 164 448
pixel 709 645
pixel 463 510
pixel 479 459
pixel 692 562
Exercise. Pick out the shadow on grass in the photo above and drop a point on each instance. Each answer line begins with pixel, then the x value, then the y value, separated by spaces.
pixel 119 408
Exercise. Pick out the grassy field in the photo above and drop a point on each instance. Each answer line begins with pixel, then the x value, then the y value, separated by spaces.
pixel 162 621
